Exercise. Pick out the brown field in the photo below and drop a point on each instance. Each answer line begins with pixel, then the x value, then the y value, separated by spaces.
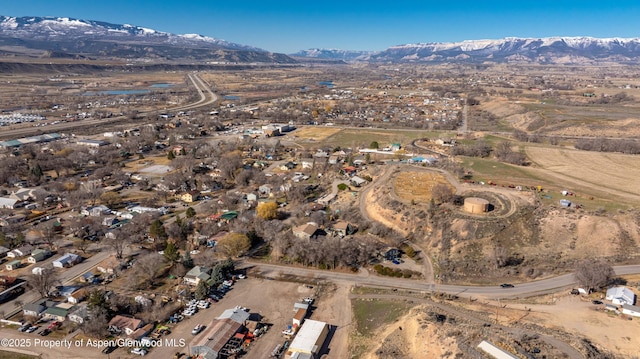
pixel 417 186
pixel 613 173
pixel 315 133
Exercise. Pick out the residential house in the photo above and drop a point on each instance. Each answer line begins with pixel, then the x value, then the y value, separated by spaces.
pixel 23 194
pixel 349 170
pixel 631 310
pixel 95 211
pixel 8 203
pixel 78 296
pixel 34 309
pixel 58 312
pixel 67 260
pixel 21 251
pixel 197 274
pixel 288 166
pixel 109 266
pixel 190 197
pixel 38 255
pixel 110 221
pixel 343 228
pixel 128 325
pixel 621 295
pixel 14 264
pixel 79 314
pixel 89 278
pixel 357 181
pixel 306 231
pixel 395 147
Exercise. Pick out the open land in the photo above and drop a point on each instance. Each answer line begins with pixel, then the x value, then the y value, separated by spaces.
pixel 198 155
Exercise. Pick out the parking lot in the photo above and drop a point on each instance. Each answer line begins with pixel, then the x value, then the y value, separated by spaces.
pixel 273 300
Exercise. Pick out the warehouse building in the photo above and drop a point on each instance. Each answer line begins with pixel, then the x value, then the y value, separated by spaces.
pixel 309 340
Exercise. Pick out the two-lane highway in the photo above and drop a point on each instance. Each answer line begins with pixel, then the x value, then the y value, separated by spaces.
pixel 519 290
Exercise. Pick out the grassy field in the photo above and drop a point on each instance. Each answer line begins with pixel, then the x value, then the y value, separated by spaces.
pixel 315 133
pixel 370 315
pixel 363 137
pixel 601 180
pixel 418 186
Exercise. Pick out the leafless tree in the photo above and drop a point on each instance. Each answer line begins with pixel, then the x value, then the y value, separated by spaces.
pixel 118 240
pixel 43 282
pixel 441 193
pixel 97 325
pixel 594 274
pixel 146 270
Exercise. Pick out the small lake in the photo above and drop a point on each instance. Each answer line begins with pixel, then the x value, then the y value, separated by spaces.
pixel 329 84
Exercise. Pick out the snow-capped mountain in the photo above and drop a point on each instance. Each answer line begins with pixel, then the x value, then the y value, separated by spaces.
pixel 97 38
pixel 569 50
pixel 550 50
pixel 333 54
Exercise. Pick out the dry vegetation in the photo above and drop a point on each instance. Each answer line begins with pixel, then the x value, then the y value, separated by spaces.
pixel 418 186
pixel 612 173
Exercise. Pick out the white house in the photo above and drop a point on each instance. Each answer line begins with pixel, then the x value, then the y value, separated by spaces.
pixel 631 310
pixel 67 260
pixel 21 251
pixel 621 296
pixel 7 202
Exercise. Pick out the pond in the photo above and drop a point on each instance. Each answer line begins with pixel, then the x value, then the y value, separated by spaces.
pixel 329 84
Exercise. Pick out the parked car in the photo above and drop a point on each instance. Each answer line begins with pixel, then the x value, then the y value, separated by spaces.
pixel 45 332
pixel 24 327
pixel 32 329
pixel 197 329
pixel 596 302
pixel 139 351
pixel 53 325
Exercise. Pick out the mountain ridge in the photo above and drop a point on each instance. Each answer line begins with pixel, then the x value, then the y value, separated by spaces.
pixel 546 50
pixel 70 37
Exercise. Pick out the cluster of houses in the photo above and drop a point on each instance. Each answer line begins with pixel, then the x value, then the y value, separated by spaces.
pixel 28 254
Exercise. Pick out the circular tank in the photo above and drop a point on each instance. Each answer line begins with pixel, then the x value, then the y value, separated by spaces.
pixel 476 205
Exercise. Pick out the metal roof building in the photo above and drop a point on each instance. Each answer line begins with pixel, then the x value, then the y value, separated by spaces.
pixel 309 340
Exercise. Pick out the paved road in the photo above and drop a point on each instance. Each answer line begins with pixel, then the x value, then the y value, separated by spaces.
pixel 207 97
pixel 521 290
pixel 66 277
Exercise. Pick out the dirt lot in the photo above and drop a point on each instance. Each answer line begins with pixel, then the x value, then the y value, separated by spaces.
pixel 315 133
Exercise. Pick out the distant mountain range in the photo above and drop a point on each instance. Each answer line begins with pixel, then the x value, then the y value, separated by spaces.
pixel 66 37
pixel 73 38
pixel 551 50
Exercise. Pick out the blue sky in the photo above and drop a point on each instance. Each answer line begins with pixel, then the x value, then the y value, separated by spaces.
pixel 289 26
